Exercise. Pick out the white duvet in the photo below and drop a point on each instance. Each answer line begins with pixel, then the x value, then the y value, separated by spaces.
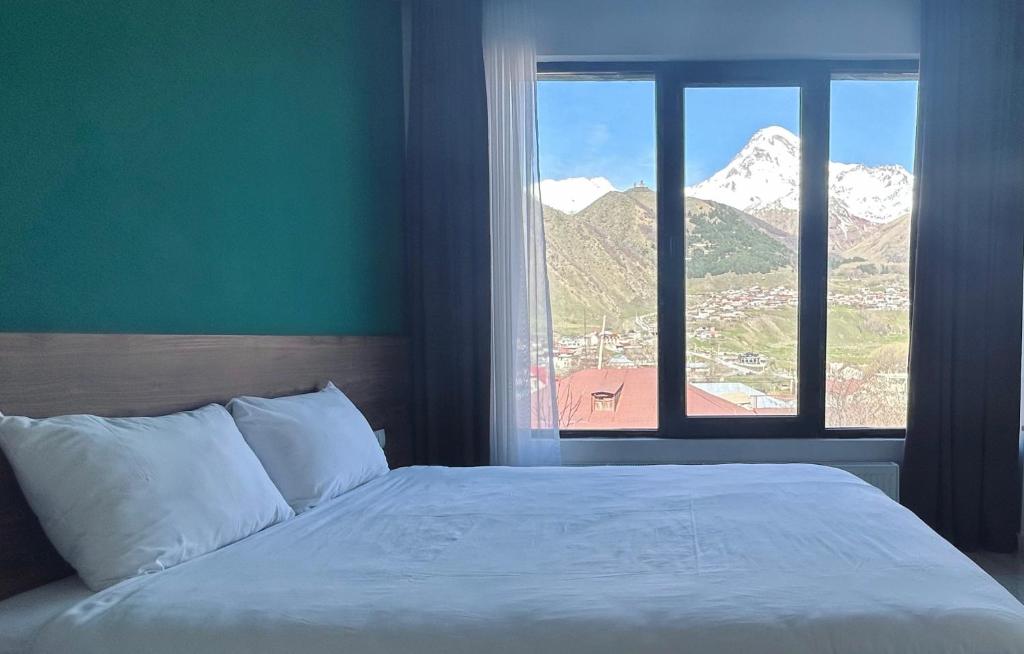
pixel 630 560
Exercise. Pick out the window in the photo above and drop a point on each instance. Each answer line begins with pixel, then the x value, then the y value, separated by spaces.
pixel 870 196
pixel 768 295
pixel 600 221
pixel 742 211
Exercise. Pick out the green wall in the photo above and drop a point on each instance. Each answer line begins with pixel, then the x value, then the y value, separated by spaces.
pixel 216 166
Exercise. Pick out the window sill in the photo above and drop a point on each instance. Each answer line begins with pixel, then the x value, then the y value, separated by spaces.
pixel 643 451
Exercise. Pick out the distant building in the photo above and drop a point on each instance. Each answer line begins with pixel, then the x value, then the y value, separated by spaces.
pixel 753 359
pixel 620 361
pixel 748 397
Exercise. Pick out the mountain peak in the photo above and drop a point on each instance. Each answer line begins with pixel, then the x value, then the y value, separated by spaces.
pixel 774 132
pixel 573 193
pixel 764 176
pixel 763 179
pixel 776 144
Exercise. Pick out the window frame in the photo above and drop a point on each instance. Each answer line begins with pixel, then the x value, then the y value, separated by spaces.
pixel 671 79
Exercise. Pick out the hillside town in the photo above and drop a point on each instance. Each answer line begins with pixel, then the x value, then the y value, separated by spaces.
pixel 711 369
pixel 708 315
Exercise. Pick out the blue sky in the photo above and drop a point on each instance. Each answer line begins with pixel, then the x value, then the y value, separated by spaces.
pixel 606 129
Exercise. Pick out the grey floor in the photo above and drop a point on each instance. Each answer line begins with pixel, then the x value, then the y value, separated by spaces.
pixel 1007 569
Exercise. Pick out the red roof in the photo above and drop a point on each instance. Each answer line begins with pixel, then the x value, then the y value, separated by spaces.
pixel 637 406
pixel 540 373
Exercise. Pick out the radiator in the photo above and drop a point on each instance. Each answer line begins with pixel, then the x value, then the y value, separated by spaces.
pixel 884 476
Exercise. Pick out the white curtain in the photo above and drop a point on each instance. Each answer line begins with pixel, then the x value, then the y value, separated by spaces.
pixel 524 419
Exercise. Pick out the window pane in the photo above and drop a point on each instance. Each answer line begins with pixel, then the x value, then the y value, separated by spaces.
pixel 597 161
pixel 873 128
pixel 742 156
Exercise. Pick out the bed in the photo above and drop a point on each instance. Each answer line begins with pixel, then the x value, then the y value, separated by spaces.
pixel 727 558
pixel 641 559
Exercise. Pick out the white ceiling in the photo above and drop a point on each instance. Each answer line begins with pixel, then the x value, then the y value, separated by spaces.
pixel 727 29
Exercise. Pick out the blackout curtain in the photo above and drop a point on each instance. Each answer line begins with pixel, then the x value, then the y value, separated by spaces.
pixel 960 469
pixel 447 213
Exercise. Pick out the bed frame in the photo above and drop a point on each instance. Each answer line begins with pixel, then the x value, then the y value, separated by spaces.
pixel 142 374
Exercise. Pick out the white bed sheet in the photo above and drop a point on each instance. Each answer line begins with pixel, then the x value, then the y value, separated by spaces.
pixel 736 558
pixel 22 616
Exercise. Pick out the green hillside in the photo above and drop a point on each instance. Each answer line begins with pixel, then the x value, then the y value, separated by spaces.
pixel 602 261
pixel 720 239
pixel 741 280
pixel 889 245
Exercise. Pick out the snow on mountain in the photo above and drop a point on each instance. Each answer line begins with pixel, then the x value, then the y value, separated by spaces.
pixel 763 180
pixel 573 194
pixel 880 194
pixel 763 177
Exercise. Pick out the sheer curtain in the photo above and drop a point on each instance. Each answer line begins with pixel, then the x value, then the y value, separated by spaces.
pixel 524 414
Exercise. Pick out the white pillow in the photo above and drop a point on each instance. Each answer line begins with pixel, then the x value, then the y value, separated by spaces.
pixel 314 446
pixel 120 497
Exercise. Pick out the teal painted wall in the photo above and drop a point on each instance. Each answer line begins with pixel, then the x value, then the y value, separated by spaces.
pixel 212 166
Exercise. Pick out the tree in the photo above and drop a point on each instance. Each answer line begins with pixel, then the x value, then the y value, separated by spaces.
pixel 874 395
pixel 568 404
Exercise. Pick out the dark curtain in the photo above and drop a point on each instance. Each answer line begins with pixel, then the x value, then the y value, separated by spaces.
pixel 447 218
pixel 960 470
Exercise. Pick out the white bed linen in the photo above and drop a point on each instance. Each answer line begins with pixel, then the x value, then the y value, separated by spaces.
pixel 737 558
pixel 22 616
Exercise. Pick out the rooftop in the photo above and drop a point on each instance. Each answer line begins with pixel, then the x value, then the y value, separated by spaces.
pixel 637 405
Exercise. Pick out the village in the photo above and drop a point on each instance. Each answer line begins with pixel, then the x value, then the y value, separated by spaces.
pixel 707 314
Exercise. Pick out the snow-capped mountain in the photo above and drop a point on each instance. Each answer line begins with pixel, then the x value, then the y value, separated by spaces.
pixel 573 194
pixel 764 177
pixel 880 194
pixel 763 180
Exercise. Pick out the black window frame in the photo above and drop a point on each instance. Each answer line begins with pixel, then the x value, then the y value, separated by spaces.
pixel 671 79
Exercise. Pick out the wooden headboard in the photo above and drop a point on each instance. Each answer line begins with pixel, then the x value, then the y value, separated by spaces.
pixel 139 374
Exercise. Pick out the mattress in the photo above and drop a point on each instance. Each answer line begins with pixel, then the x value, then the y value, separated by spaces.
pixel 726 559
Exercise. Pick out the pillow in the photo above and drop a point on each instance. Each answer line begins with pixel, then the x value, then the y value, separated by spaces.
pixel 314 446
pixel 120 497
